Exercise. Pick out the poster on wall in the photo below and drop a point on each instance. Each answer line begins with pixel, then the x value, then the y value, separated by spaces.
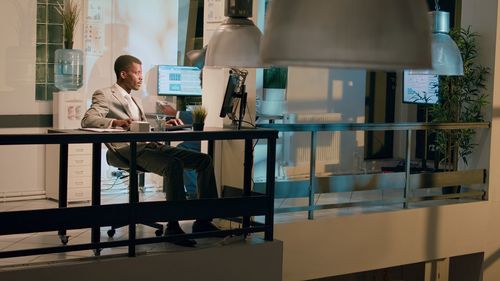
pixel 118 27
pixel 94 28
pixel 214 15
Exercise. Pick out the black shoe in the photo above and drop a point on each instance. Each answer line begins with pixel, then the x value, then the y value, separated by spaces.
pixel 180 241
pixel 206 226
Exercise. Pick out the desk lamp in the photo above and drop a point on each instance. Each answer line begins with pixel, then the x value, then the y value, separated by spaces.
pixel 236 44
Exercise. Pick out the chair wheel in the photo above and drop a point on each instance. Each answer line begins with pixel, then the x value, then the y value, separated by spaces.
pixel 159 232
pixel 64 239
pixel 111 232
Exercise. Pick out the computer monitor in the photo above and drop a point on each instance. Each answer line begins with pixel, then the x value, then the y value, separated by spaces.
pixel 228 107
pixel 235 91
pixel 420 88
pixel 174 80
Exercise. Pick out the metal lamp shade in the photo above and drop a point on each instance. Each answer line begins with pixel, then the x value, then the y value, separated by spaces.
pixel 446 57
pixel 236 43
pixel 382 34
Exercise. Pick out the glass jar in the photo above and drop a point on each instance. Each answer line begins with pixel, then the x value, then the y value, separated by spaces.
pixel 68 69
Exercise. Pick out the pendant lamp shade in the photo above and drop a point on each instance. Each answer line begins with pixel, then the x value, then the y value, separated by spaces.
pixel 446 57
pixel 382 34
pixel 236 42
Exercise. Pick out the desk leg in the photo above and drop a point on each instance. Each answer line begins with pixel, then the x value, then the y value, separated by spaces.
pixel 211 148
pixel 312 175
pixel 247 175
pixel 133 198
pixel 270 181
pixel 96 192
pixel 63 185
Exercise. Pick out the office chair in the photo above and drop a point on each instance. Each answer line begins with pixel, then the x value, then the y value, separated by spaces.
pixel 116 160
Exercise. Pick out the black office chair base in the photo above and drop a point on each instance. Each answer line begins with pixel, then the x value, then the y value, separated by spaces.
pixel 158 232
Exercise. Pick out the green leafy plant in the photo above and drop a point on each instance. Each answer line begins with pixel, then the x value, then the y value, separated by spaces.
pixel 199 114
pixel 275 77
pixel 70 13
pixel 461 99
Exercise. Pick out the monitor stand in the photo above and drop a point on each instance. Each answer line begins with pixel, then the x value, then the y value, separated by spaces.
pixel 243 104
pixel 181 103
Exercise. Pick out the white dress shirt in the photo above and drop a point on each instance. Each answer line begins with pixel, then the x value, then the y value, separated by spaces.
pixel 134 109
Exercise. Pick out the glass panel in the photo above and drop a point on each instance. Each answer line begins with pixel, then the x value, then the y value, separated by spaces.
pixel 42 1
pixel 40 92
pixel 41 33
pixel 41 53
pixel 50 90
pixel 54 16
pixel 56 2
pixel 40 73
pixel 51 50
pixel 41 13
pixel 50 73
pixel 55 33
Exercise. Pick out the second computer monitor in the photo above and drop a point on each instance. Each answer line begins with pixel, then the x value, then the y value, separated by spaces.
pixel 174 80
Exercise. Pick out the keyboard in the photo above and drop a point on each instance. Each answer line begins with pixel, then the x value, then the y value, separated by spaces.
pixel 178 127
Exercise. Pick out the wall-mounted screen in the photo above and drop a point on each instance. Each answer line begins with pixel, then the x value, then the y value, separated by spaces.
pixel 174 80
pixel 420 88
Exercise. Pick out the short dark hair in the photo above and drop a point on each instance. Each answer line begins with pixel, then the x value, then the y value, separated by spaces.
pixel 123 62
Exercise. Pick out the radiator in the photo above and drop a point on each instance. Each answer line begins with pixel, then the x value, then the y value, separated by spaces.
pixel 327 144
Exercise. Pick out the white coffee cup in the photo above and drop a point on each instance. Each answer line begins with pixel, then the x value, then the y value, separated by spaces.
pixel 139 126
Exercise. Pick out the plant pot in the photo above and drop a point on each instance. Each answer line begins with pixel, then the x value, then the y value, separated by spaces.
pixel 198 126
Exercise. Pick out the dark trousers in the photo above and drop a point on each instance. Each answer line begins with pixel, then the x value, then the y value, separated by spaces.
pixel 170 163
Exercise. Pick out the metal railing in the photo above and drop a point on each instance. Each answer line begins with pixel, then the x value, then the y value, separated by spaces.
pixel 406 179
pixel 135 212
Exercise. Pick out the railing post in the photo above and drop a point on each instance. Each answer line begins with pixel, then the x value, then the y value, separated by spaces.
pixel 407 168
pixel 133 198
pixel 312 175
pixel 247 177
pixel 63 184
pixel 96 191
pixel 270 181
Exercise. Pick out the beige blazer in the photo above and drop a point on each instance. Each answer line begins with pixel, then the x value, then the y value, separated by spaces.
pixel 108 104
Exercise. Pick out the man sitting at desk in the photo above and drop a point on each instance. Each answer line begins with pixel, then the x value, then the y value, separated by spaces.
pixel 115 107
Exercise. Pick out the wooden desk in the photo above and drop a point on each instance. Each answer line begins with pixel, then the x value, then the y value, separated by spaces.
pixel 134 212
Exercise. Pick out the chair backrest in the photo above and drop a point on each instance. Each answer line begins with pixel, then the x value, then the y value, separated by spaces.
pixel 115 159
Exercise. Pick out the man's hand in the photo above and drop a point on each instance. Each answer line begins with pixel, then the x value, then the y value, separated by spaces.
pixel 125 124
pixel 174 122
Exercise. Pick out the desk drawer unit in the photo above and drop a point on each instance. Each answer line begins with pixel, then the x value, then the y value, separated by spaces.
pixel 79 172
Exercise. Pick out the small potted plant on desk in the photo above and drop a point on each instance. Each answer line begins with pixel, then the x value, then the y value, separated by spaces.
pixel 199 115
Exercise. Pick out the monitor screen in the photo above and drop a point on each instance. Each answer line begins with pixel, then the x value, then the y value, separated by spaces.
pixel 228 107
pixel 420 88
pixel 176 80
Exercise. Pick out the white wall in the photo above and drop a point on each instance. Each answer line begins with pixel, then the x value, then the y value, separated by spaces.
pixel 117 27
pixel 148 32
pixel 17 91
pixel 482 16
pixel 17 56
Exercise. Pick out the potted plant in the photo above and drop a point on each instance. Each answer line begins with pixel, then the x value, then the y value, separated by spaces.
pixel 461 99
pixel 199 115
pixel 68 68
pixel 70 13
pixel 275 82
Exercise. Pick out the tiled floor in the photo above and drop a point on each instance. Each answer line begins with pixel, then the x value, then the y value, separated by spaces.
pixel 80 236
pixel 47 239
